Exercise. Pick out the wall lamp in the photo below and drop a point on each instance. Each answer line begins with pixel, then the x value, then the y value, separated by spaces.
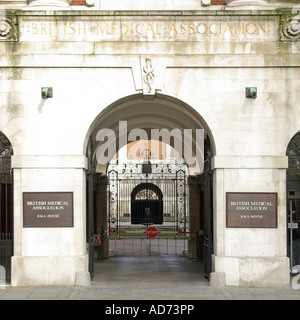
pixel 47 92
pixel 251 92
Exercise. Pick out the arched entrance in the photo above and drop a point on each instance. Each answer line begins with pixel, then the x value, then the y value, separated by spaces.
pixel 293 201
pixel 6 209
pixel 141 194
pixel 146 204
pixel 142 116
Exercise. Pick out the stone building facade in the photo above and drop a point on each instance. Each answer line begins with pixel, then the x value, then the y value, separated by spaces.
pixel 69 69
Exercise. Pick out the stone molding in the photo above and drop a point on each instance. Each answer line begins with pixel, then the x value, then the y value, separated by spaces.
pixel 8 28
pixel 250 162
pixel 52 3
pixel 290 28
pixel 54 162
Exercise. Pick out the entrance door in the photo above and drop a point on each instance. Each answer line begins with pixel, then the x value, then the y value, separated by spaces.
pixel 146 212
pixel 147 205
pixel 293 232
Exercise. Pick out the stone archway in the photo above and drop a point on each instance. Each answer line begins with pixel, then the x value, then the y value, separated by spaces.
pixel 141 116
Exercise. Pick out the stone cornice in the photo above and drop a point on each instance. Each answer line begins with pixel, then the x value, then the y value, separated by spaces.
pixel 180 13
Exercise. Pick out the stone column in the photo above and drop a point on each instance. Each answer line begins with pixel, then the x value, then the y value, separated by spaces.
pixel 50 255
pixel 250 256
pixel 248 3
pixel 50 3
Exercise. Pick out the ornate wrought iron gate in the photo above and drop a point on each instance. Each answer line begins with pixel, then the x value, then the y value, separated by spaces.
pixel 143 194
pixel 6 209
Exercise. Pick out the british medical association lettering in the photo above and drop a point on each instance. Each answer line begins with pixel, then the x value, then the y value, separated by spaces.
pixel 48 209
pixel 251 210
pixel 110 30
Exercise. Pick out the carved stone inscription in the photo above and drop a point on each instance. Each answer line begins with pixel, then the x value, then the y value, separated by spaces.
pixel 251 210
pixel 147 29
pixel 48 209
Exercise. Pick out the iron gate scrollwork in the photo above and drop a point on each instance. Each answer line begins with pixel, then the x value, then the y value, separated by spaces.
pixel 6 209
pixel 293 152
pixel 181 199
pixel 113 182
pixel 139 197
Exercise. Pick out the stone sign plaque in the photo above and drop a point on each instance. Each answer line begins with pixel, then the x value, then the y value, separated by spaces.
pixel 251 210
pixel 48 209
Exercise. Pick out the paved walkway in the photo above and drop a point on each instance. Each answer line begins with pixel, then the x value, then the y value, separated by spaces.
pixel 148 278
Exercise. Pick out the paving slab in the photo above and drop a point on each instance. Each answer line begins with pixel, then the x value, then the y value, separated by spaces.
pixel 148 278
